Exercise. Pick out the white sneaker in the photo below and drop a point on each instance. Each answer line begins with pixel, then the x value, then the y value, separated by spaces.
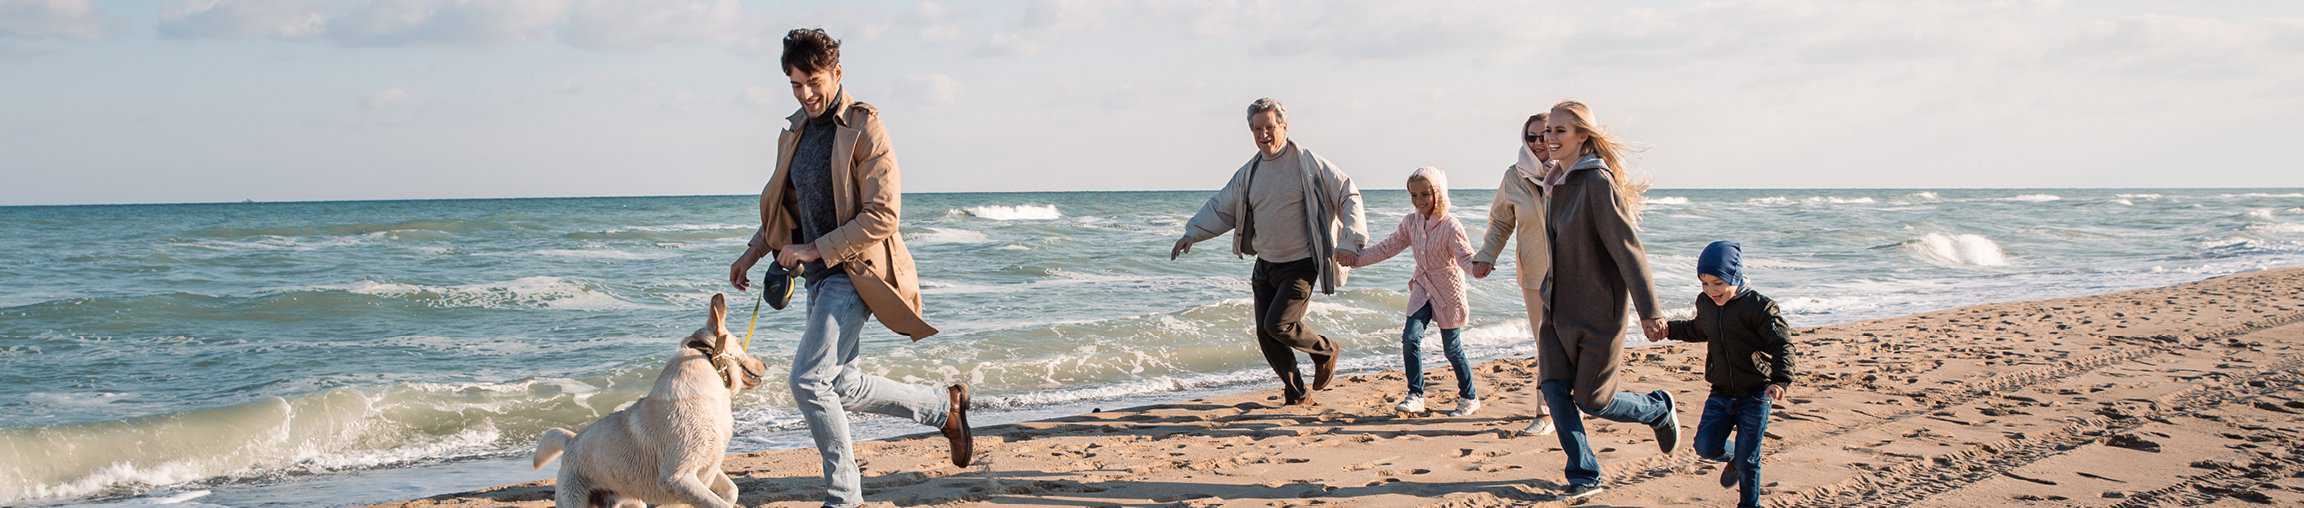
pixel 1465 407
pixel 1412 404
pixel 1541 426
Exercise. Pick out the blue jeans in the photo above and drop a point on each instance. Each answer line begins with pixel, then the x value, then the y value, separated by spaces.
pixel 1412 354
pixel 1582 468
pixel 1748 416
pixel 827 384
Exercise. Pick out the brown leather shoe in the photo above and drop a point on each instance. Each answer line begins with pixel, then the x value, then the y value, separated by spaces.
pixel 1324 370
pixel 1305 400
pixel 956 427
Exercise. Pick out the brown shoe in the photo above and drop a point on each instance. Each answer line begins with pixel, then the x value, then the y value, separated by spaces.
pixel 1324 370
pixel 1305 400
pixel 956 427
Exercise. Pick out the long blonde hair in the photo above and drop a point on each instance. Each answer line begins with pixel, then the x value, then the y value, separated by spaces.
pixel 1599 142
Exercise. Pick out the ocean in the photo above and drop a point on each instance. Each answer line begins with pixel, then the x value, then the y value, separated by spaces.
pixel 264 354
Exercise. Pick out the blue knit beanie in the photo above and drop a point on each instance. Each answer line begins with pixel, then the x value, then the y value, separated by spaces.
pixel 1723 259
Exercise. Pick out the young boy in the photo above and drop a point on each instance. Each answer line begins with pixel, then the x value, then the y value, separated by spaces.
pixel 1748 361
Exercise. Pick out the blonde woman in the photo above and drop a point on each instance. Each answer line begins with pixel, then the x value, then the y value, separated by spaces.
pixel 1518 212
pixel 1592 213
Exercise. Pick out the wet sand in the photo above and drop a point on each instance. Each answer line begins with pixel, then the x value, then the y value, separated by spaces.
pixel 2187 395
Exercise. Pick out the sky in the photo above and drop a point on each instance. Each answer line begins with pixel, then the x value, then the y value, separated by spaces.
pixel 223 100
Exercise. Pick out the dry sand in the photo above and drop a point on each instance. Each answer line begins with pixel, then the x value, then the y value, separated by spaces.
pixel 2186 395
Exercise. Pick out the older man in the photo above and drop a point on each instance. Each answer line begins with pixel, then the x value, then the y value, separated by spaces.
pixel 1299 215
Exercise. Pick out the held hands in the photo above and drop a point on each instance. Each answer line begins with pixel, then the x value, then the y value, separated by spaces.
pixel 1655 329
pixel 1347 258
pixel 794 255
pixel 1480 270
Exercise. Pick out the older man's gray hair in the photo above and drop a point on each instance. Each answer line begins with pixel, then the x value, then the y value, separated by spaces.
pixel 1278 110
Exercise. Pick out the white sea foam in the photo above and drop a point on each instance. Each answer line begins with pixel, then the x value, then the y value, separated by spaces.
pixel 602 254
pixel 1668 200
pixel 1017 212
pixel 2248 195
pixel 1811 200
pixel 531 292
pixel 1956 250
pixel 76 399
pixel 685 227
pixel 944 236
pixel 2281 228
pixel 2139 197
pixel 2031 198
pixel 1922 197
pixel 1783 264
pixel 331 430
pixel 273 243
pixel 1826 306
pixel 2264 214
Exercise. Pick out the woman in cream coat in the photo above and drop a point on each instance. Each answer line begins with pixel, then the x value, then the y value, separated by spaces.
pixel 1518 212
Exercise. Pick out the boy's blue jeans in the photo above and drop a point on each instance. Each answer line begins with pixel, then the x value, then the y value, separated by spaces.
pixel 1412 353
pixel 1748 416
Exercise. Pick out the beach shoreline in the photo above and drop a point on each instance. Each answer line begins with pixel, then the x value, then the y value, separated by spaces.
pixel 2044 402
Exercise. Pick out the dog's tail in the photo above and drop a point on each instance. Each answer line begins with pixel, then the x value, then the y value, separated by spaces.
pixel 549 446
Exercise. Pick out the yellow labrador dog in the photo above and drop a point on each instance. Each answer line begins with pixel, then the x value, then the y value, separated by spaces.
pixel 665 448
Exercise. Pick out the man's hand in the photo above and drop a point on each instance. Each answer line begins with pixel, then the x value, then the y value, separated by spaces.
pixel 1480 269
pixel 737 271
pixel 794 255
pixel 1183 246
pixel 1776 393
pixel 1347 258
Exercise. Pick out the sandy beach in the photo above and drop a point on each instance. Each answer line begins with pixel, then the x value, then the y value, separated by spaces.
pixel 2185 395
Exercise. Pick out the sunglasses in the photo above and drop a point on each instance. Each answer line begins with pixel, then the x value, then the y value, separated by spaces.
pixel 1531 137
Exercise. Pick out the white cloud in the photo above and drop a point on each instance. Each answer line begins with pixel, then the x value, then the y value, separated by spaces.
pixel 640 24
pixel 214 19
pixel 766 98
pixel 930 90
pixel 584 24
pixel 1007 44
pixel 50 20
pixel 417 22
pixel 384 100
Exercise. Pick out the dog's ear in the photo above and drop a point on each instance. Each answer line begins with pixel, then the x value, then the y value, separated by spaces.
pixel 718 322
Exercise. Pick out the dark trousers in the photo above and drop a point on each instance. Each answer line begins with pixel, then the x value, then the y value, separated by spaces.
pixel 1283 291
pixel 1747 415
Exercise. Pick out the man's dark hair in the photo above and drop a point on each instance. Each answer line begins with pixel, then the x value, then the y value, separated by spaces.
pixel 810 50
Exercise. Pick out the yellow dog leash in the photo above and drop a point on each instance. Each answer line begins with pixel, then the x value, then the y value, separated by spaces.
pixel 748 327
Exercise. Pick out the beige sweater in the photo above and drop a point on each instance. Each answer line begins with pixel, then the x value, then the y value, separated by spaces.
pixel 1333 218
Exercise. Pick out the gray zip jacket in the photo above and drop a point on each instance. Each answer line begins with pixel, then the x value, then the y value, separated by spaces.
pixel 1332 213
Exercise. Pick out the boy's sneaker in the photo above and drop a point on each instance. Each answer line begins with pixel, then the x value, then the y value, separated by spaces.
pixel 1412 404
pixel 1728 476
pixel 1580 492
pixel 1541 426
pixel 1668 433
pixel 1465 407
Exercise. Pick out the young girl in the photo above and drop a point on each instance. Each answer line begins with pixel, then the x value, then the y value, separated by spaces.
pixel 1435 289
